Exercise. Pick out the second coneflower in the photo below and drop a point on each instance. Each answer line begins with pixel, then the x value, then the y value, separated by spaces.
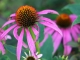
pixel 64 21
pixel 25 18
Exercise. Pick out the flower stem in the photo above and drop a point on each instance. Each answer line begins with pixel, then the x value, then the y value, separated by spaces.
pixel 37 42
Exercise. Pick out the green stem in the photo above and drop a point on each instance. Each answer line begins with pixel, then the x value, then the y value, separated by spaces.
pixel 37 42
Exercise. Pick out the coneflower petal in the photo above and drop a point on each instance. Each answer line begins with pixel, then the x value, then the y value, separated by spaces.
pixel 2 48
pixel 35 32
pixel 16 35
pixel 31 43
pixel 12 15
pixel 57 42
pixel 7 31
pixel 19 44
pixel 51 26
pixel 74 35
pixel 8 22
pixel 48 11
pixel 66 38
pixel 73 17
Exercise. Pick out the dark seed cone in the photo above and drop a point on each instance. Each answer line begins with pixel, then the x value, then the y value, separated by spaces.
pixel 63 20
pixel 26 16
pixel 30 58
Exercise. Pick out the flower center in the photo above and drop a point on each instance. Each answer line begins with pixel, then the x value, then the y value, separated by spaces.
pixel 30 58
pixel 63 20
pixel 26 16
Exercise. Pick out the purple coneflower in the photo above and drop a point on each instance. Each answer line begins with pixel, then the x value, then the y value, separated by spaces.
pixel 3 40
pixel 25 18
pixel 64 22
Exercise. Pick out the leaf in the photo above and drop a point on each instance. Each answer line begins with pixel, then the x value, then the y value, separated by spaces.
pixel 12 50
pixel 74 8
pixel 47 49
pixel 57 58
pixel 73 57
pixel 41 34
pixel 73 44
pixel 76 21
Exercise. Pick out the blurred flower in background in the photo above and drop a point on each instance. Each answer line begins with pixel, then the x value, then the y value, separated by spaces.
pixel 64 21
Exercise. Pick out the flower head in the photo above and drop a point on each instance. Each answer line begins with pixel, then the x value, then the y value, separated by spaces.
pixel 64 22
pixel 3 40
pixel 30 57
pixel 25 18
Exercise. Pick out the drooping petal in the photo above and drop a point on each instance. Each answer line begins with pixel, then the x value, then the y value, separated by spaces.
pixel 48 30
pixel 76 29
pixel 8 22
pixel 19 44
pixel 43 41
pixel 31 43
pixel 48 11
pixel 2 48
pixel 47 20
pixel 36 33
pixel 56 41
pixel 16 35
pixel 66 38
pixel 7 31
pixel 54 35
pixel 52 26
pixel 73 17
pixel 74 34
pixel 15 32
pixel 12 15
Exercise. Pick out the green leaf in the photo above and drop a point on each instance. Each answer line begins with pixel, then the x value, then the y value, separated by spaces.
pixel 73 57
pixel 57 58
pixel 47 49
pixel 76 21
pixel 77 1
pixel 74 8
pixel 12 50
pixel 73 44
pixel 5 57
pixel 41 36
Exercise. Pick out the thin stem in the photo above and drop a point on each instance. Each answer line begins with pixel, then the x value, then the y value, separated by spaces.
pixel 37 42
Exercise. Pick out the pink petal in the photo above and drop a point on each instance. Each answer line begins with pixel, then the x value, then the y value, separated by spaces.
pixel 16 35
pixel 66 38
pixel 54 36
pixel 74 34
pixel 8 22
pixel 73 17
pixel 48 11
pixel 51 26
pixel 15 32
pixel 56 41
pixel 31 43
pixel 47 20
pixel 76 29
pixel 43 41
pixel 35 32
pixel 19 44
pixel 7 31
pixel 48 30
pixel 2 48
pixel 12 15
